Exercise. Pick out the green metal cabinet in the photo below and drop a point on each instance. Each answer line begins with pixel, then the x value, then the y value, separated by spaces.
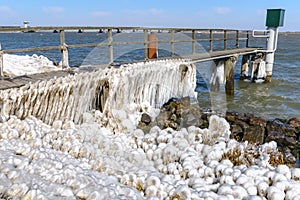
pixel 275 17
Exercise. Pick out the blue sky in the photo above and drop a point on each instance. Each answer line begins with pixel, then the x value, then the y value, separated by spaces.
pixel 237 14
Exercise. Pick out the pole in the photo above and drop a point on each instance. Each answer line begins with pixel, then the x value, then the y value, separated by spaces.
pixel 273 34
pixel 64 50
pixel 110 46
pixel 152 46
pixel 1 61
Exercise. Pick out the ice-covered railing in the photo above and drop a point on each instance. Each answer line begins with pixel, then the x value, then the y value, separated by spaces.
pixel 133 87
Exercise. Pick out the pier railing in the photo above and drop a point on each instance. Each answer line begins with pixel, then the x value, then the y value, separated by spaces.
pixel 240 39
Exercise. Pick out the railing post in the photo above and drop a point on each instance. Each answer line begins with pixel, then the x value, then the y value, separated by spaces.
pixel 64 50
pixel 152 46
pixel 145 44
pixel 229 74
pixel 193 42
pixel 210 40
pixel 110 46
pixel 225 39
pixel 237 39
pixel 247 41
pixel 172 43
pixel 1 62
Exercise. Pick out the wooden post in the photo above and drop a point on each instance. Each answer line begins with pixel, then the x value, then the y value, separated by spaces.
pixel 172 43
pixel 145 44
pixel 245 67
pixel 247 41
pixel 110 46
pixel 193 42
pixel 210 40
pixel 64 50
pixel 1 62
pixel 152 46
pixel 237 40
pixel 225 39
pixel 229 74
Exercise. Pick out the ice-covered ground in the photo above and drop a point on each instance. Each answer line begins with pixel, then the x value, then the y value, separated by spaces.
pixel 117 161
pixel 66 161
pixel 17 65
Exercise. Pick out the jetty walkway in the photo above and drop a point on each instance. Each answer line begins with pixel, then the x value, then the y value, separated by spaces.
pixel 222 44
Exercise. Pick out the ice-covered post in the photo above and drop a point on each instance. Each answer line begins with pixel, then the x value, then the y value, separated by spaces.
pixel 274 19
pixel 229 74
pixel 152 46
pixel 64 50
pixel 1 61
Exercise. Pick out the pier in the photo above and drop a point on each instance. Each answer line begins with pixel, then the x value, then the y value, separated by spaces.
pixel 257 62
pixel 233 43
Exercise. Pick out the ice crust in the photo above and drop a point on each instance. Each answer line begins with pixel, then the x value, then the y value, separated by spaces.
pixel 17 65
pixel 45 155
pixel 38 161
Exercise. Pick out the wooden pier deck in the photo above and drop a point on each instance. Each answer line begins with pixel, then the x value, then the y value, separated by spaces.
pixel 15 82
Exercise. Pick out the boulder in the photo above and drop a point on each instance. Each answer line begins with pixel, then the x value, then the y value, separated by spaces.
pixel 254 134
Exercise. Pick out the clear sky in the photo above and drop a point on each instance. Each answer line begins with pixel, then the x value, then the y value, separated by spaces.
pixel 236 14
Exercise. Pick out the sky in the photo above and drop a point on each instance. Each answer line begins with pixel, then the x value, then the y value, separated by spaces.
pixel 233 14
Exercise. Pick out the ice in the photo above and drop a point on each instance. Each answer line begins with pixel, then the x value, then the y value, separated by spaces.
pixel 131 89
pixel 17 65
pixel 63 139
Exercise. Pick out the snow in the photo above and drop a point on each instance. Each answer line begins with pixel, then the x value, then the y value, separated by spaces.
pixel 17 65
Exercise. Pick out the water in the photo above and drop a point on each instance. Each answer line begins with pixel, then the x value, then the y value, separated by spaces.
pixel 278 99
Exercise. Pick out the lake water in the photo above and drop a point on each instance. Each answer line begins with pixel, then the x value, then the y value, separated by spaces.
pixel 278 99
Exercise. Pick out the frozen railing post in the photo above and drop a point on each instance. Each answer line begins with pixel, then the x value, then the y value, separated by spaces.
pixel 1 61
pixel 229 74
pixel 64 50
pixel 274 19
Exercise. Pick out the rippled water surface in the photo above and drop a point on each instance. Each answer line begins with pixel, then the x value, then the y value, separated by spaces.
pixel 278 99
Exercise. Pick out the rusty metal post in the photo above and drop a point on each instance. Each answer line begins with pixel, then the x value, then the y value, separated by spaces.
pixel 145 44
pixel 245 67
pixel 229 74
pixel 152 46
pixel 64 50
pixel 1 62
pixel 110 46
pixel 193 42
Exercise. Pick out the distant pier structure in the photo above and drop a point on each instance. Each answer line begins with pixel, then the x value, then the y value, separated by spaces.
pixel 223 47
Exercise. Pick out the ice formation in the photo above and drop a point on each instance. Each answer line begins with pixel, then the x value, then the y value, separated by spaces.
pixel 45 155
pixel 87 161
pixel 16 65
pixel 119 93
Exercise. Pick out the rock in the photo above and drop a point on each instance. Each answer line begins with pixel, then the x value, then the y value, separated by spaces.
pixel 258 121
pixel 281 127
pixel 146 118
pixel 294 123
pixel 242 124
pixel 231 116
pixel 254 134
pixel 281 139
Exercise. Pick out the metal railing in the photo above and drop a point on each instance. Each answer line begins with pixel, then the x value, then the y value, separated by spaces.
pixel 212 35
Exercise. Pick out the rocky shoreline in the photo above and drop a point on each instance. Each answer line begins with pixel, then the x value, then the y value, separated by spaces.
pixel 179 113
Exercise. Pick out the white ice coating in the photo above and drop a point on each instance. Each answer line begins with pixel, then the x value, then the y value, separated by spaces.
pixel 38 161
pixel 93 161
pixel 17 65
pixel 133 88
